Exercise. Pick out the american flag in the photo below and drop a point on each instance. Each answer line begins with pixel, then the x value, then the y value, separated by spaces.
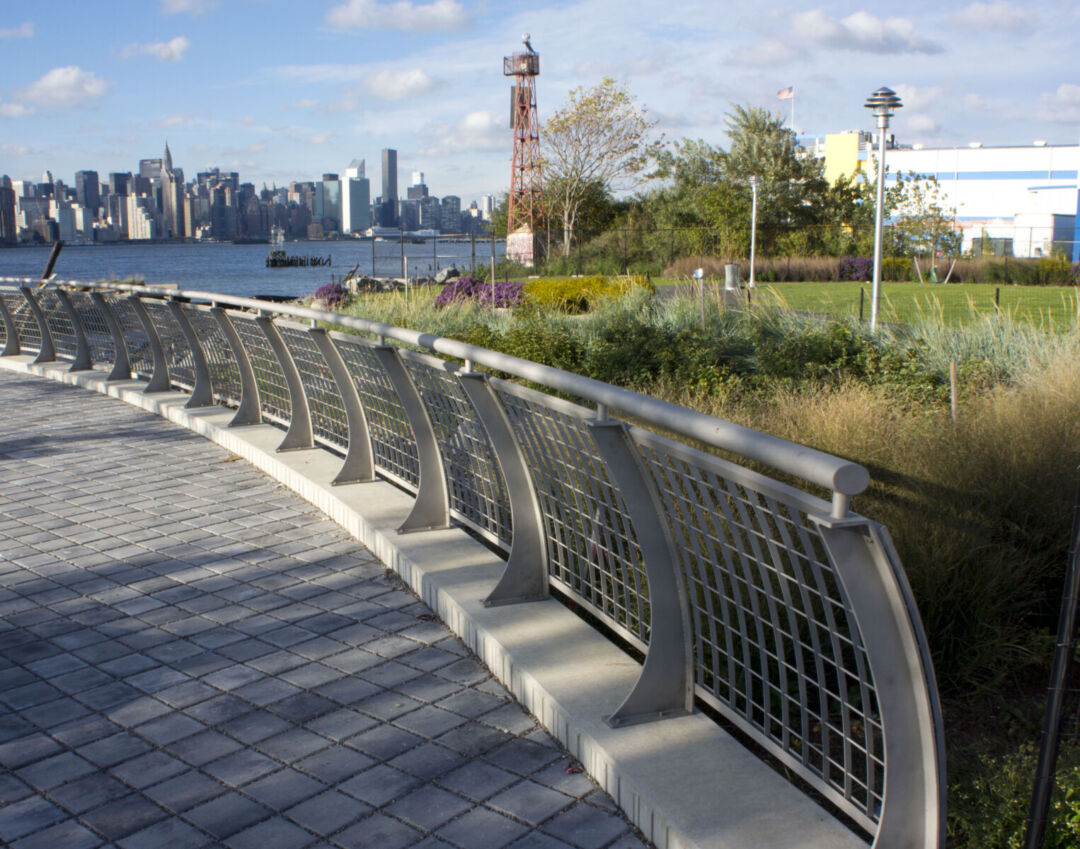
pixel 786 93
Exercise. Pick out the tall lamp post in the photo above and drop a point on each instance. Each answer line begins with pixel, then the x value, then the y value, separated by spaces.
pixel 882 102
pixel 755 181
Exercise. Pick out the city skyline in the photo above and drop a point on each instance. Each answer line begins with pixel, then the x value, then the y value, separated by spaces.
pixel 281 91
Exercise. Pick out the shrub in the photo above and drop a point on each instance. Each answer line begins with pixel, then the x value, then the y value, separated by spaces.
pixel 537 338
pixel 331 296
pixel 856 268
pixel 992 810
pixel 897 268
pixel 575 295
pixel 473 289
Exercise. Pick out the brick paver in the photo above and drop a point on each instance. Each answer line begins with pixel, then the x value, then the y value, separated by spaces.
pixel 190 655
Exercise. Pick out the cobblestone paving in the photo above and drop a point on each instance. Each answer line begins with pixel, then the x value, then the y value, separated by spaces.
pixel 191 656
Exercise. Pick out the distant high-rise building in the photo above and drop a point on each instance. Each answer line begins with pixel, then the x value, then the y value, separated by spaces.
pixel 417 178
pixel 9 230
pixel 355 203
pixel 120 183
pixel 328 203
pixel 88 191
pixel 355 171
pixel 150 168
pixel 389 188
pixel 430 214
pixel 450 214
pixel 417 191
pixel 172 195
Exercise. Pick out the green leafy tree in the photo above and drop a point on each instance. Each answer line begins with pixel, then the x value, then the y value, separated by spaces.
pixel 600 141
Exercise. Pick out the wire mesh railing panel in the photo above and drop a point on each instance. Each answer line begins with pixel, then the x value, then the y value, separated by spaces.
pixel 328 422
pixel 475 482
pixel 98 336
pixel 140 354
pixel 592 551
pixel 274 401
pixel 220 361
pixel 25 323
pixel 59 323
pixel 174 344
pixel 392 443
pixel 776 645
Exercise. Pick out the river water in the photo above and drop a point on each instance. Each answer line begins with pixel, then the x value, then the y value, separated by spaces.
pixel 241 269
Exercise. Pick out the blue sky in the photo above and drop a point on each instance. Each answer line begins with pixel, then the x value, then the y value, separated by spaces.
pixel 283 90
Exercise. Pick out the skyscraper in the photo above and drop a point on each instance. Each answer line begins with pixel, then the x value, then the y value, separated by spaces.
pixel 172 195
pixel 9 231
pixel 388 218
pixel 88 190
pixel 355 199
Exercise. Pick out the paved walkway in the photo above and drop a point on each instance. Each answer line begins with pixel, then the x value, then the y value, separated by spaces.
pixel 190 656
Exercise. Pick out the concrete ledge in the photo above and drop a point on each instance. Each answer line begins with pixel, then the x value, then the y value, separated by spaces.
pixel 684 782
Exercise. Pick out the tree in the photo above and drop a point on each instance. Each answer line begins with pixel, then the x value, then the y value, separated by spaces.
pixel 600 141
pixel 762 146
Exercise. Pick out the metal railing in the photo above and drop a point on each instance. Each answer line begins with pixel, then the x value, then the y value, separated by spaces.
pixel 786 614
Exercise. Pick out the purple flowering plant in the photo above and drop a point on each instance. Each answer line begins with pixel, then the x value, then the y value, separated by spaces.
pixel 330 294
pixel 463 289
pixel 856 268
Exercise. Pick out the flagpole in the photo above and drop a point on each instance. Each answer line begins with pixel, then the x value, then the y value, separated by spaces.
pixel 793 110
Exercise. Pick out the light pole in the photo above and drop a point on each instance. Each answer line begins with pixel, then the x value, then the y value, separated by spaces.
pixel 881 101
pixel 755 181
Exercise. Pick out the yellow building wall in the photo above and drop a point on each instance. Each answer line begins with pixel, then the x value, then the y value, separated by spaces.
pixel 841 155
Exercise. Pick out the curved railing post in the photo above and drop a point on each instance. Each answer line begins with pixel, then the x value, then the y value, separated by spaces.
pixel 525 577
pixel 202 393
pixel 121 369
pixel 159 379
pixel 82 347
pixel 11 333
pixel 46 353
pixel 250 411
pixel 666 684
pixel 299 435
pixel 913 801
pixel 431 510
pixel 359 465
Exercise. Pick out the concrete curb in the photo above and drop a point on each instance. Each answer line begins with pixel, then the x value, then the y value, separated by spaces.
pixel 684 782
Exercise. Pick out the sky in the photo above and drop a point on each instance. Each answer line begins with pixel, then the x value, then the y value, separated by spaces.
pixel 284 90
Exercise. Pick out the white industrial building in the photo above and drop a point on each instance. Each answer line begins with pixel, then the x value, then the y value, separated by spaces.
pixel 1023 198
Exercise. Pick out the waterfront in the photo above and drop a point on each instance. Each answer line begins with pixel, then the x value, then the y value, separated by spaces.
pixel 241 269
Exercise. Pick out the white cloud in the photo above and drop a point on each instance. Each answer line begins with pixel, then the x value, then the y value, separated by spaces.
pixel 246 120
pixel 305 103
pixel 189 7
pixel 319 138
pixel 400 14
pixel 998 16
pixel 922 124
pixel 479 130
pixel 1061 107
pixel 397 85
pixel 14 110
pixel 166 51
pixel 17 149
pixel 861 31
pixel 918 98
pixel 24 30
pixel 65 87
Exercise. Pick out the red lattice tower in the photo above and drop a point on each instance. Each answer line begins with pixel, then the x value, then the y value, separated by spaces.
pixel 523 207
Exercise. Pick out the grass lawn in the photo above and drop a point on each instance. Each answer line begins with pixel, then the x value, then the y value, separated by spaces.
pixel 1051 307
